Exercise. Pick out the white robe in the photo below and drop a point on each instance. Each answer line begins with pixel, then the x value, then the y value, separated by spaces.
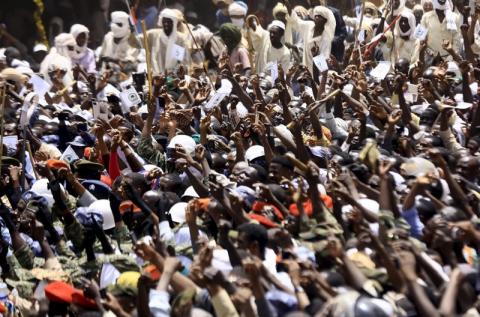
pixel 437 32
pixel 121 51
pixel 265 52
pixel 324 41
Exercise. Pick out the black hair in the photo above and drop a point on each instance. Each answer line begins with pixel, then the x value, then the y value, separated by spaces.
pixel 139 180
pixel 255 232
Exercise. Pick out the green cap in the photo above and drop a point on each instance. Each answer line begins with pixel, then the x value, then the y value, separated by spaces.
pixel 9 161
pixel 86 165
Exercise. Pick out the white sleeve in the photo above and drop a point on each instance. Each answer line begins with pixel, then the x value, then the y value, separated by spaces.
pixel 159 303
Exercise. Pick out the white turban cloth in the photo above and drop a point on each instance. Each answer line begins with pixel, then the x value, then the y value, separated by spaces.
pixel 76 30
pixel 411 21
pixel 278 24
pixel 120 26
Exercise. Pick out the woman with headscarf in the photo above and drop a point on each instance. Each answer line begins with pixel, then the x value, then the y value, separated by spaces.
pixel 268 44
pixel 231 35
pixel 405 45
pixel 168 46
pixel 82 55
pixel 317 34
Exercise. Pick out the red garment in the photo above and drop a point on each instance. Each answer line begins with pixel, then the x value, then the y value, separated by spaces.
pixel 113 167
pixel 308 208
pixel 264 221
pixel 259 205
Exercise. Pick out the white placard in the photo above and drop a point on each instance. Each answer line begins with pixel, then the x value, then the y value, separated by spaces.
pixel 361 36
pixel 321 63
pixel 100 110
pixel 40 86
pixel 10 141
pixel 274 72
pixel 129 98
pixel 215 100
pixel 420 32
pixel 69 155
pixel 381 70
pixel 24 115
pixel 178 52
pixel 474 87
pixel 225 87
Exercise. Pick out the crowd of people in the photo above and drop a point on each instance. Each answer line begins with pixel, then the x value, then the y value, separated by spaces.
pixel 318 164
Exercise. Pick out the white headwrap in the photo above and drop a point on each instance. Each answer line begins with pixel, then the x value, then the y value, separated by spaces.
pixel 400 8
pixel 76 30
pixel 119 26
pixel 438 6
pixel 237 9
pixel 411 21
pixel 278 24
pixel 169 41
pixel 328 15
pixel 62 41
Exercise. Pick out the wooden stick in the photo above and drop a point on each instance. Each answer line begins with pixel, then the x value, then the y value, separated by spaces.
pixel 29 149
pixel 328 97
pixel 199 47
pixel 149 60
pixel 2 125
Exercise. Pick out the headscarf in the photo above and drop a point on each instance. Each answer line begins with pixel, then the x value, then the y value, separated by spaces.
pixel 328 15
pixel 438 6
pixel 231 35
pixel 279 8
pixel 373 7
pixel 62 41
pixel 411 21
pixel 169 41
pixel 76 30
pixel 119 17
pixel 237 9
pixel 400 8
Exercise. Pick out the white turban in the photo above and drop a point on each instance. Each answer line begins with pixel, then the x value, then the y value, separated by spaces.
pixel 119 26
pixel 411 21
pixel 62 41
pixel 170 40
pixel 279 8
pixel 278 24
pixel 328 15
pixel 400 8
pixel 237 9
pixel 76 30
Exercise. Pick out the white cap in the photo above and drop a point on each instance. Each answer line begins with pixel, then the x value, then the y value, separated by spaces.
pixel 177 212
pixel 40 188
pixel 40 47
pixel 254 152
pixel 190 192
pixel 102 206
pixel 237 9
pixel 187 142
pixel 278 24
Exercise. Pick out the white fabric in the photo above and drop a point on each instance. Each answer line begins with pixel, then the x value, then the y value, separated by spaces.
pixel 163 45
pixel 238 22
pixel 438 6
pixel 236 9
pixel 400 8
pixel 121 50
pixel 306 31
pixel 276 23
pixel 411 21
pixel 76 30
pixel 440 32
pixel 119 17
